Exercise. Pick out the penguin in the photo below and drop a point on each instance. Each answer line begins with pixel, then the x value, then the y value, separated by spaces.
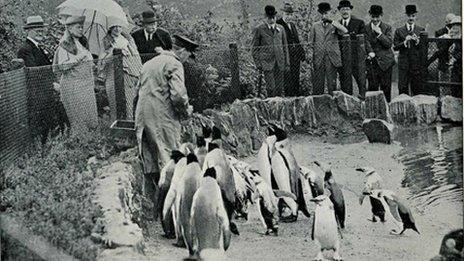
pixel 286 173
pixel 206 131
pixel 216 136
pixel 336 194
pixel 372 181
pixel 217 158
pixel 164 183
pixel 397 208
pixel 171 202
pixel 452 245
pixel 187 187
pixel 201 149
pixel 267 199
pixel 209 220
pixel 316 181
pixel 265 155
pixel 325 229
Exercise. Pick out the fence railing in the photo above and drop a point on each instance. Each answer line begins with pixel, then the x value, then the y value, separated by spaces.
pixel 31 109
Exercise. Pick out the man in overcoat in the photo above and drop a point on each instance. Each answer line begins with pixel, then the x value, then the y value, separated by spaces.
pixel 325 51
pixel 270 52
pixel 295 50
pixel 44 106
pixel 406 41
pixel 150 37
pixel 162 103
pixel 381 57
pixel 354 26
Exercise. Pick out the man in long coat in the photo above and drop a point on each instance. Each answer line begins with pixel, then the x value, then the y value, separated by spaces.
pixel 325 51
pixel 381 57
pixel 162 103
pixel 406 41
pixel 270 52
pixel 295 51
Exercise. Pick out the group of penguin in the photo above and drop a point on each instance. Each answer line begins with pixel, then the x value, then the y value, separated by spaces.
pixel 202 190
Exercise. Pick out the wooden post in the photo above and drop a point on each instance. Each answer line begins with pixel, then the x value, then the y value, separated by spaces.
pixel 424 50
pixel 119 84
pixel 361 52
pixel 346 82
pixel 236 92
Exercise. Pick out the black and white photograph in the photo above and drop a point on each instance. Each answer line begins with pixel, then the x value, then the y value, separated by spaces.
pixel 215 130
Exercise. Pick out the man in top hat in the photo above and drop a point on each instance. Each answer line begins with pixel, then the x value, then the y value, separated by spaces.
pixel 162 104
pixel 406 41
pixel 355 26
pixel 150 37
pixel 44 104
pixel 324 50
pixel 295 51
pixel 270 52
pixel 381 57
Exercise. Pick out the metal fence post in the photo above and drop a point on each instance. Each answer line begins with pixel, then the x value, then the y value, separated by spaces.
pixel 361 52
pixel 236 91
pixel 119 84
pixel 346 82
pixel 424 50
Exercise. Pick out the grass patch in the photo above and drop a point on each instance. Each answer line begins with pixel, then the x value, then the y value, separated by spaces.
pixel 50 190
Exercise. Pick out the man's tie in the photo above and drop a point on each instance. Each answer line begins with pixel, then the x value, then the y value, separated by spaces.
pixel 345 23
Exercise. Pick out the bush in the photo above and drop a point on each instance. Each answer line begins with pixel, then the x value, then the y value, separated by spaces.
pixel 50 191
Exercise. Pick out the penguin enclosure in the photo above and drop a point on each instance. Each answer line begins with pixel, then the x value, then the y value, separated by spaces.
pixel 423 167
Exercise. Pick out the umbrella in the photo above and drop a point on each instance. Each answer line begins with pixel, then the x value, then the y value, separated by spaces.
pixel 99 15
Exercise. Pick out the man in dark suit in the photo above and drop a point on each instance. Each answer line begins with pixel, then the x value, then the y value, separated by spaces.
pixel 406 41
pixel 270 52
pixel 355 26
pixel 380 54
pixel 295 50
pixel 324 51
pixel 150 37
pixel 45 109
pixel 443 57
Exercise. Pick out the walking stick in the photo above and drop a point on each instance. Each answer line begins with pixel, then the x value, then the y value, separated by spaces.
pixel 371 73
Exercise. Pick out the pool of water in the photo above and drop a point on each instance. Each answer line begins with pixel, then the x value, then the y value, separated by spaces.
pixel 433 166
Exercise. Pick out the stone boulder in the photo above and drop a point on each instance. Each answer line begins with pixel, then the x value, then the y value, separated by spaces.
pixel 426 108
pixel 451 108
pixel 378 130
pixel 349 105
pixel 376 106
pixel 403 110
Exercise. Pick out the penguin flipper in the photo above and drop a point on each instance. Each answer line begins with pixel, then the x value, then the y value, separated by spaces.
pixel 168 201
pixel 312 229
pixel 282 193
pixel 393 206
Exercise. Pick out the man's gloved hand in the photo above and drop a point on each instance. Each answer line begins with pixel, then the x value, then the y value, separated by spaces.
pixel 371 55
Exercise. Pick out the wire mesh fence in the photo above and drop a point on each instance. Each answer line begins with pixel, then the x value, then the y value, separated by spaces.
pixel 42 101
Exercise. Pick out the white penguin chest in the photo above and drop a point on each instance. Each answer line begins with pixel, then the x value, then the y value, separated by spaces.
pixel 325 228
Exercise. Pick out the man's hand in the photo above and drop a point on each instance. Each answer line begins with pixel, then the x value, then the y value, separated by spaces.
pixel 56 86
pixel 189 110
pixel 408 38
pixel 376 29
pixel 371 55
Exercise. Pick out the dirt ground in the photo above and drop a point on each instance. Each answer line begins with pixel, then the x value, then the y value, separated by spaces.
pixel 362 239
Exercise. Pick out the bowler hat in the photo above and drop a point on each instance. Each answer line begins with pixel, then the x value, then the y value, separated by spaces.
pixel 288 8
pixel 183 41
pixel 148 17
pixel 376 10
pixel 411 9
pixel 74 20
pixel 35 21
pixel 344 3
pixel 323 7
pixel 270 10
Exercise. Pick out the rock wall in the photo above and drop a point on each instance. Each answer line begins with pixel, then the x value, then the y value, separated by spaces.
pixel 243 123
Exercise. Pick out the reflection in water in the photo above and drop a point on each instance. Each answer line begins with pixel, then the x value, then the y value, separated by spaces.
pixel 433 160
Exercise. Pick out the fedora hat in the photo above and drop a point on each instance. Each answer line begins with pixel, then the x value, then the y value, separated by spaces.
pixel 288 8
pixel 186 43
pixel 270 10
pixel 74 20
pixel 323 7
pixel 148 17
pixel 411 9
pixel 344 3
pixel 35 21
pixel 376 10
